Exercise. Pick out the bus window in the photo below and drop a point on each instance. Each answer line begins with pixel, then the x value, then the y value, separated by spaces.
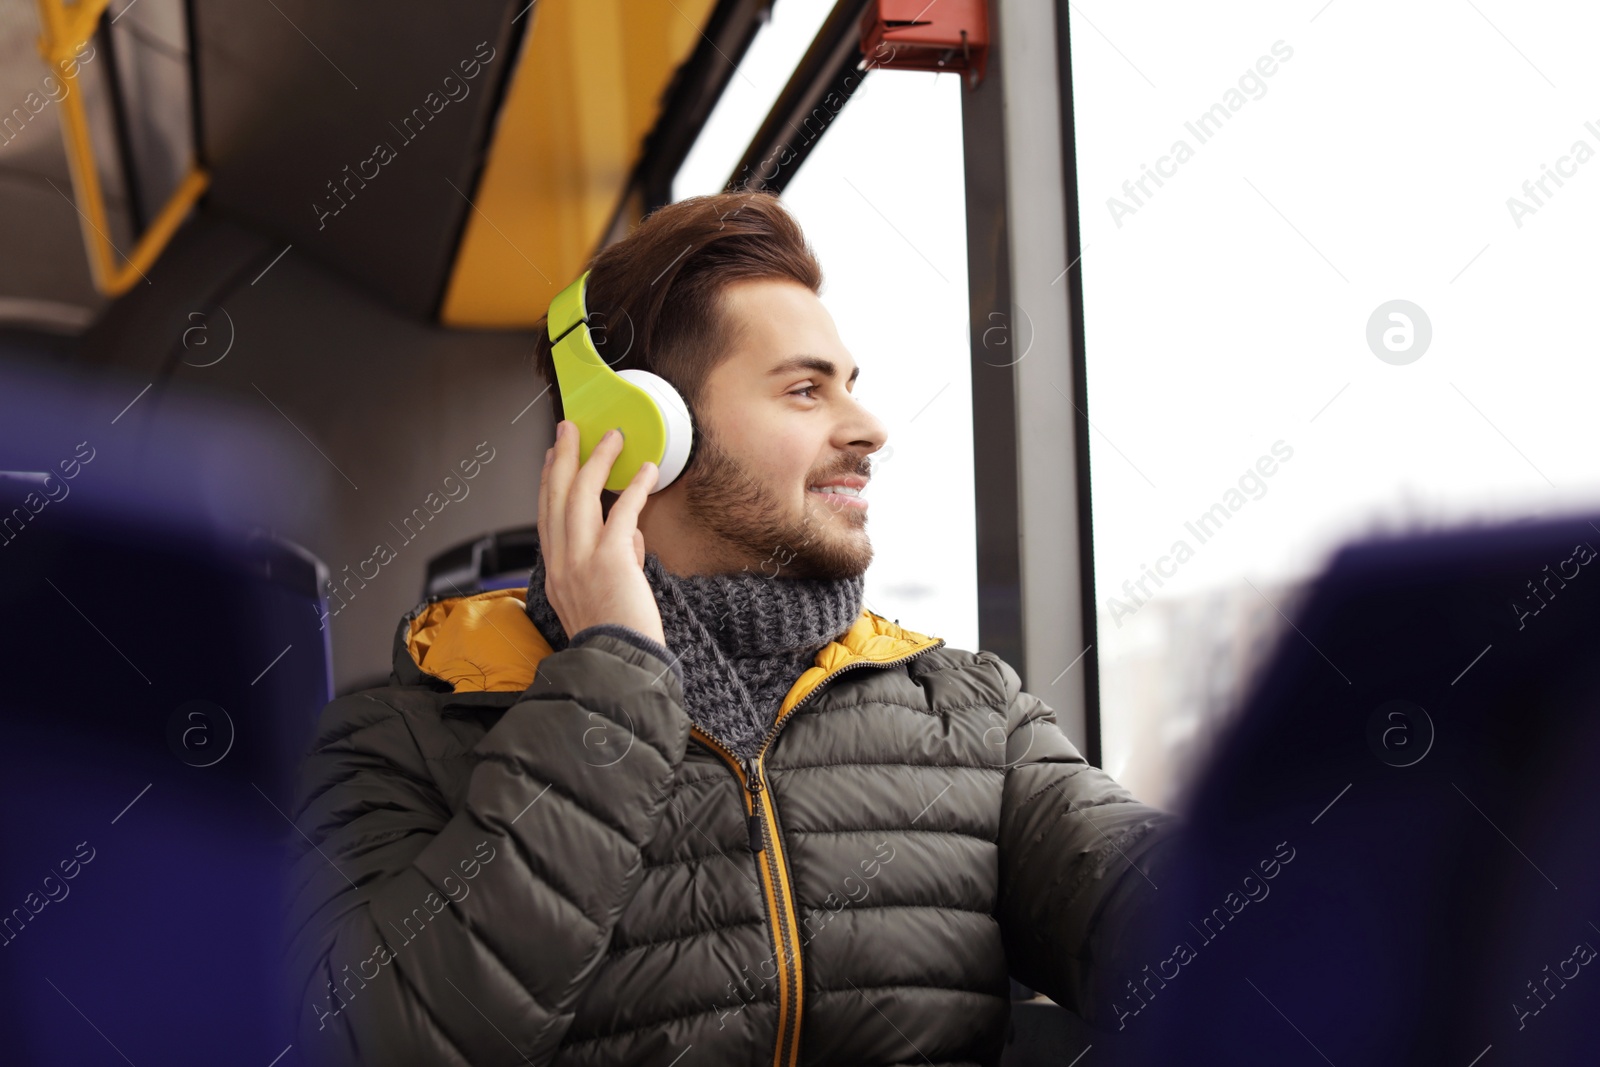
pixel 882 201
pixel 1302 328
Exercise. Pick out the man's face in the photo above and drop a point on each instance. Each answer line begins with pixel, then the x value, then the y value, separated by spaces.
pixel 775 424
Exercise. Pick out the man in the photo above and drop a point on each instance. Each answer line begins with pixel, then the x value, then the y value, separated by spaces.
pixel 686 793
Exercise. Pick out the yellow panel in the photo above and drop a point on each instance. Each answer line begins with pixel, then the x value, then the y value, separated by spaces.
pixel 586 92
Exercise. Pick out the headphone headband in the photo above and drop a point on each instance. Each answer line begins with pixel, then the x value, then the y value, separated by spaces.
pixel 568 309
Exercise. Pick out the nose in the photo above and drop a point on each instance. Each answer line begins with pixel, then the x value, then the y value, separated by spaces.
pixel 863 432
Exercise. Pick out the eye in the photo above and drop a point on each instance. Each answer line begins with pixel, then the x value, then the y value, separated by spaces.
pixel 805 389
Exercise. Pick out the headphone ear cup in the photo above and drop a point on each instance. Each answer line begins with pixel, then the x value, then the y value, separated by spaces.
pixel 675 414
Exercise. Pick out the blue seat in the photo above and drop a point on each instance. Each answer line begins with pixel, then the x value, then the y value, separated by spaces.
pixel 1390 858
pixel 166 667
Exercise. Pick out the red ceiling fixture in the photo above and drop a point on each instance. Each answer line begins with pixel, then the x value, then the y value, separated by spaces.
pixel 937 35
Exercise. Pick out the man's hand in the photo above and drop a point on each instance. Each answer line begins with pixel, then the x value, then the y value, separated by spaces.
pixel 594 567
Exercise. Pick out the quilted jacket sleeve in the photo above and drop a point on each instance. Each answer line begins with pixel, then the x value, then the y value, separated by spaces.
pixel 1080 863
pixel 425 937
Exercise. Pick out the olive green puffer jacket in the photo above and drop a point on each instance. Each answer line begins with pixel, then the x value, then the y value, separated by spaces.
pixel 519 856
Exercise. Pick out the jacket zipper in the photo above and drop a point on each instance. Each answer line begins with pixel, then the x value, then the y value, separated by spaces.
pixel 761 817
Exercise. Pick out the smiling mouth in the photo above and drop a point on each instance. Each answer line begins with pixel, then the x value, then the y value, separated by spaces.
pixel 841 496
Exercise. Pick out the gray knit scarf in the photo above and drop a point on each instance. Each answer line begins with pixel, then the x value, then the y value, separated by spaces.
pixel 739 641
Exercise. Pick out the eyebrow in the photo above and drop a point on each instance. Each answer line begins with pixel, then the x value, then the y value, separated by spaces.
pixel 824 367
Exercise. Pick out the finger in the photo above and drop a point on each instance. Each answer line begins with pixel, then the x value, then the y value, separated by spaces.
pixel 563 465
pixel 584 520
pixel 542 522
pixel 624 519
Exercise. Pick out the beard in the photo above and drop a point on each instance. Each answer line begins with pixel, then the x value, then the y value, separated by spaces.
pixel 760 527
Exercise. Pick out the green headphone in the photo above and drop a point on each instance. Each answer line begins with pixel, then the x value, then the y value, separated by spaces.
pixel 654 420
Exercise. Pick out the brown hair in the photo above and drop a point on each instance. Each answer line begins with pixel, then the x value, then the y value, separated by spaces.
pixel 657 293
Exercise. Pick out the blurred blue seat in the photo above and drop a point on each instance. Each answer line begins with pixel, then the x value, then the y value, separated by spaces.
pixel 166 668
pixel 1420 754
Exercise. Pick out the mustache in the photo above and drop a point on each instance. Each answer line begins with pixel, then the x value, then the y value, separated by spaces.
pixel 863 471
